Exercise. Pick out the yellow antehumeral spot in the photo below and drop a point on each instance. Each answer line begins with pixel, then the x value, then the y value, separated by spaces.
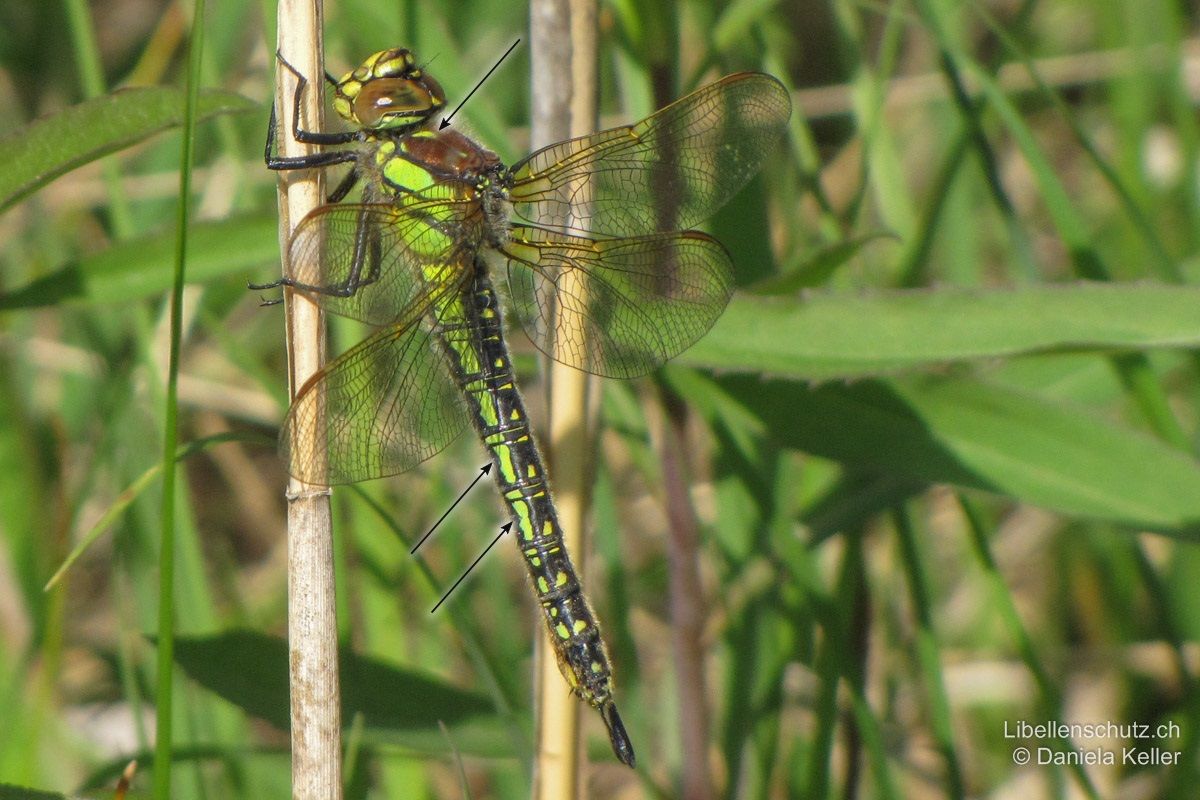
pixel 531 472
pixel 384 152
pixel 402 172
pixel 499 363
pixel 515 414
pixel 547 528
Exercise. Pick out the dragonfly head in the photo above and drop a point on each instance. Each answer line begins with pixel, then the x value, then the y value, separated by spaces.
pixel 389 91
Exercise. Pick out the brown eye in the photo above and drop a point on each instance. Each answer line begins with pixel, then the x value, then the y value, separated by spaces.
pixel 385 101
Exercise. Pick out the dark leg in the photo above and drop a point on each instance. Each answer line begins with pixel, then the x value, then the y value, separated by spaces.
pixel 307 137
pixel 368 253
pixel 344 187
pixel 311 137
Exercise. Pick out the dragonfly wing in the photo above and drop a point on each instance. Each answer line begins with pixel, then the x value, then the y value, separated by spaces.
pixel 616 307
pixel 371 261
pixel 667 172
pixel 380 409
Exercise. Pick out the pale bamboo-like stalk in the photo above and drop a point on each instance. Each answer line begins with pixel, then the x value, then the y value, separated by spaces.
pixel 312 622
pixel 563 60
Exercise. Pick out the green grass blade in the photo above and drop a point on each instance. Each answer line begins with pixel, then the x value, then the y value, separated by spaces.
pixel 166 577
pixel 130 493
pixel 10 792
pixel 50 147
pixel 928 651
pixel 140 267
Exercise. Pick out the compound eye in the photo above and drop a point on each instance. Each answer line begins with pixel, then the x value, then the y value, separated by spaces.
pixel 384 102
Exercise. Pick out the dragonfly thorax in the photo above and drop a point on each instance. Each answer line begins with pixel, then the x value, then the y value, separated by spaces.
pixel 389 91
pixel 423 165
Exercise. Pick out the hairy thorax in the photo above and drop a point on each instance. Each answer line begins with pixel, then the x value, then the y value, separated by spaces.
pixel 439 165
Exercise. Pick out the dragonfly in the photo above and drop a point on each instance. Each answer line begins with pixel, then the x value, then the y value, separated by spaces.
pixel 588 237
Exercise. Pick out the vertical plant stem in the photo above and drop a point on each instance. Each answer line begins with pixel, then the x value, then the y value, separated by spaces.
pixel 929 653
pixel 166 563
pixel 312 620
pixel 563 60
pixel 687 612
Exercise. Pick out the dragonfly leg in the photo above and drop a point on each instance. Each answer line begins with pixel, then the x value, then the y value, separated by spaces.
pixel 298 133
pixel 368 252
pixel 315 160
pixel 368 249
pixel 344 187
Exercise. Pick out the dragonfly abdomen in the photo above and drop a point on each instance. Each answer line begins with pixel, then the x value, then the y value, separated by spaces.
pixel 479 359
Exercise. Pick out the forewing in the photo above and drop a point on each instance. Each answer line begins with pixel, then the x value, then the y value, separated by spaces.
pixel 380 409
pixel 665 173
pixel 616 307
pixel 372 262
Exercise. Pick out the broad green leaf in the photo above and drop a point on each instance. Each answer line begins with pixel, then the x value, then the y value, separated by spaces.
pixel 982 436
pixel 250 670
pixel 824 336
pixel 10 792
pixel 143 267
pixel 55 145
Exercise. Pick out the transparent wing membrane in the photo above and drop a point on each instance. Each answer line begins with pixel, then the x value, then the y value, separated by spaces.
pixel 616 307
pixel 389 403
pixel 667 172
pixel 380 409
pixel 374 262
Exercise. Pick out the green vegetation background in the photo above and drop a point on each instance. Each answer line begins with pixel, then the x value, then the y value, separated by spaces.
pixel 940 451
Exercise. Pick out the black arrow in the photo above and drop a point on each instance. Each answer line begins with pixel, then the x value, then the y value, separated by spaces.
pixel 503 530
pixel 482 471
pixel 446 120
